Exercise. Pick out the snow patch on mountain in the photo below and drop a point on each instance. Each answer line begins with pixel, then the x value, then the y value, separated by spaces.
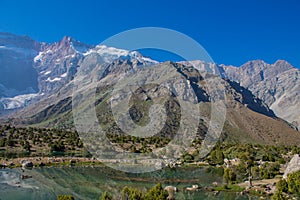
pixel 40 55
pixel 17 101
pixel 47 72
pixel 53 80
pixel 64 75
pixel 110 54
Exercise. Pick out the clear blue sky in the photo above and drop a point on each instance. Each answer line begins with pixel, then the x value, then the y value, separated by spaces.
pixel 232 32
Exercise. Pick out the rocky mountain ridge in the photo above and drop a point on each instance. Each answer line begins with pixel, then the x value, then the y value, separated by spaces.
pixel 47 71
pixel 30 70
pixel 278 85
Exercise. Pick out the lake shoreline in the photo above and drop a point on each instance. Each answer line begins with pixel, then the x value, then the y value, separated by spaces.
pixel 48 161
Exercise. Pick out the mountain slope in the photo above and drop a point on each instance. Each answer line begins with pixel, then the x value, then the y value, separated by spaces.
pixel 17 76
pixel 56 64
pixel 31 71
pixel 276 84
pixel 54 67
pixel 248 118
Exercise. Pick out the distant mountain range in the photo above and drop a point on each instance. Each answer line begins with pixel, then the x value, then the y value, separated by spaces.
pixel 37 81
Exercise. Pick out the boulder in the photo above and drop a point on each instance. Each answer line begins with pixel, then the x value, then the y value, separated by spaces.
pixel 170 188
pixel 28 164
pixel 293 166
pixel 25 176
pixel 193 188
pixel 171 192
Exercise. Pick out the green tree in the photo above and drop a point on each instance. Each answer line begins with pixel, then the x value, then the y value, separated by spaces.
pixel 278 195
pixel 105 196
pixel 269 170
pixel 282 185
pixel 188 157
pixel 65 197
pixel 9 142
pixel 27 146
pixel 2 142
pixel 157 193
pixel 294 183
pixel 217 156
pixel 255 172
pixel 229 176
pixel 131 194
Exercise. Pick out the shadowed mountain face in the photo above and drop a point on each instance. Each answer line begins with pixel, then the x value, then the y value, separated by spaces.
pixel 246 98
pixel 277 85
pixel 17 75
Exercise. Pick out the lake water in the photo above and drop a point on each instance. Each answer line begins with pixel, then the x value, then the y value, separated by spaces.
pixel 90 182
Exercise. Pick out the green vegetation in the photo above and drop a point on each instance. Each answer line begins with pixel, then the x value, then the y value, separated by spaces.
pixel 281 188
pixel 229 176
pixel 128 193
pixel 136 144
pixel 294 183
pixel 282 185
pixel 217 156
pixel 22 142
pixel 252 161
pixel 288 189
pixel 105 196
pixel 131 194
pixel 156 192
pixel 237 162
pixel 25 142
pixel 65 197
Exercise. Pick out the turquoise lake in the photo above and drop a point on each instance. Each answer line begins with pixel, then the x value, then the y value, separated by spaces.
pixel 90 182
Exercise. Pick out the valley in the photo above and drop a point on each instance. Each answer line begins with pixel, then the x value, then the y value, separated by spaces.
pixel 213 131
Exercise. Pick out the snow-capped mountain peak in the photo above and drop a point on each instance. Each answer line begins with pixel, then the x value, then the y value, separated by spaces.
pixel 111 53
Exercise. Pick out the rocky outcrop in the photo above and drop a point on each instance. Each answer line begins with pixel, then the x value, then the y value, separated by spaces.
pixel 193 188
pixel 27 164
pixel 58 63
pixel 293 166
pixel 171 191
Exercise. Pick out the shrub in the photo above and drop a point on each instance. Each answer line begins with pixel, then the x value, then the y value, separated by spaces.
pixel 282 185
pixel 65 197
pixel 157 193
pixel 229 176
pixel 278 195
pixel 131 194
pixel 105 196
pixel 294 183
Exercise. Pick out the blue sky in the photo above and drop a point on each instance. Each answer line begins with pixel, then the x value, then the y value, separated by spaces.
pixel 232 31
